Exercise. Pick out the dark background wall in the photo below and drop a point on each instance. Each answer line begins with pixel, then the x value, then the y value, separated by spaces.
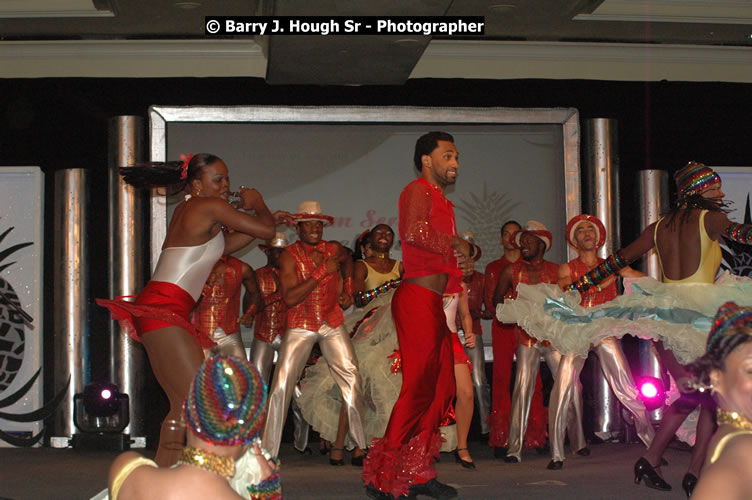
pixel 62 123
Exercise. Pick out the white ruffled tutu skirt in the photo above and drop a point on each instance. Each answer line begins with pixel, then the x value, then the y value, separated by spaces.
pixel 678 314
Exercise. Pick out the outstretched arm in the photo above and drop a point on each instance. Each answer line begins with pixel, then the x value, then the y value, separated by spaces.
pixel 717 224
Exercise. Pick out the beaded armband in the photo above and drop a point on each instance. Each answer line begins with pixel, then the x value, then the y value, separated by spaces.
pixel 268 489
pixel 348 286
pixel 612 265
pixel 320 273
pixel 363 298
pixel 741 233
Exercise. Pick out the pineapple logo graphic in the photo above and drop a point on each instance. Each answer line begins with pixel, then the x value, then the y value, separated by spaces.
pixel 737 257
pixel 12 343
pixel 484 214
pixel 12 338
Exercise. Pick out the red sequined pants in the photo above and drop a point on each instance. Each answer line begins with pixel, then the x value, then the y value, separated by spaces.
pixel 405 454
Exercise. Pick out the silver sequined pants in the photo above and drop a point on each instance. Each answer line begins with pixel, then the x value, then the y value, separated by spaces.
pixel 480 384
pixel 527 365
pixel 338 351
pixel 262 357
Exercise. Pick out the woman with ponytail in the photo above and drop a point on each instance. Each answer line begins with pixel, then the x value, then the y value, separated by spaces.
pixel 196 239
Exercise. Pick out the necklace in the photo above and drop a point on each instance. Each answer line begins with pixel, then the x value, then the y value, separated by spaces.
pixel 224 466
pixel 734 419
pixel 381 255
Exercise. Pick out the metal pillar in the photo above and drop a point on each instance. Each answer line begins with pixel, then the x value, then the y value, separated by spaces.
pixel 602 200
pixel 129 239
pixel 72 290
pixel 653 201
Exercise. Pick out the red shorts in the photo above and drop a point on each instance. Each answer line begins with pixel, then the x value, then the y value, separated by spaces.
pixel 159 305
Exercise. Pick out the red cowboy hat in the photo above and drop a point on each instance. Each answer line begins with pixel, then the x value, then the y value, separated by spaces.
pixel 600 229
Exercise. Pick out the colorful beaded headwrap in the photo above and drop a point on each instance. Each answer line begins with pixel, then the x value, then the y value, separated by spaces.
pixel 729 317
pixel 694 178
pixel 225 405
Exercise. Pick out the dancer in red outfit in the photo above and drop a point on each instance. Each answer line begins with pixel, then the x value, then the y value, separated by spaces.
pixel 504 344
pixel 400 463
pixel 159 317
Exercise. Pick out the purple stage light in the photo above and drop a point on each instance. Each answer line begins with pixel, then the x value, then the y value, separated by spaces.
pixel 106 394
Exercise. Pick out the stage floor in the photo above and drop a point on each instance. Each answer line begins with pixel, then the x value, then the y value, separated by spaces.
pixel 46 473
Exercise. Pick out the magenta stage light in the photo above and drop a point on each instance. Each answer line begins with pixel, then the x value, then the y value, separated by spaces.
pixel 652 392
pixel 649 390
pixel 106 394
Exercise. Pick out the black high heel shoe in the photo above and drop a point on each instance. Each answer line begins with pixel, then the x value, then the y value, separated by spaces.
pixel 324 447
pixel 643 470
pixel 358 461
pixel 688 483
pixel 466 464
pixel 336 461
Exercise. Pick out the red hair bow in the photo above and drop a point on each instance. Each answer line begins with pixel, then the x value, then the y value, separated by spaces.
pixel 184 168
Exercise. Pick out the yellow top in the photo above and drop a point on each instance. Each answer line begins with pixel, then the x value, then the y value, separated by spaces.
pixel 375 278
pixel 710 257
pixel 125 471
pixel 716 453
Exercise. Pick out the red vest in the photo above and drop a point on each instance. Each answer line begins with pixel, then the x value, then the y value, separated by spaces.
pixel 272 320
pixel 320 306
pixel 219 306
pixel 593 297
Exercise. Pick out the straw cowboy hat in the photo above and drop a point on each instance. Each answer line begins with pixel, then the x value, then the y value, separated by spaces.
pixel 536 228
pixel 311 211
pixel 574 223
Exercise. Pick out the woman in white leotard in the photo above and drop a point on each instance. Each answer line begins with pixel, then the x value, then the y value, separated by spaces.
pixel 159 317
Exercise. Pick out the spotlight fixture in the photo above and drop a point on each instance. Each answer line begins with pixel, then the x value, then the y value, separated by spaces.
pixel 652 392
pixel 101 413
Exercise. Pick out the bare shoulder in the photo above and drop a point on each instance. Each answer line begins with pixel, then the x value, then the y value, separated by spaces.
pixel 739 450
pixel 716 223
pixel 140 480
pixel 121 461
pixel 728 477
